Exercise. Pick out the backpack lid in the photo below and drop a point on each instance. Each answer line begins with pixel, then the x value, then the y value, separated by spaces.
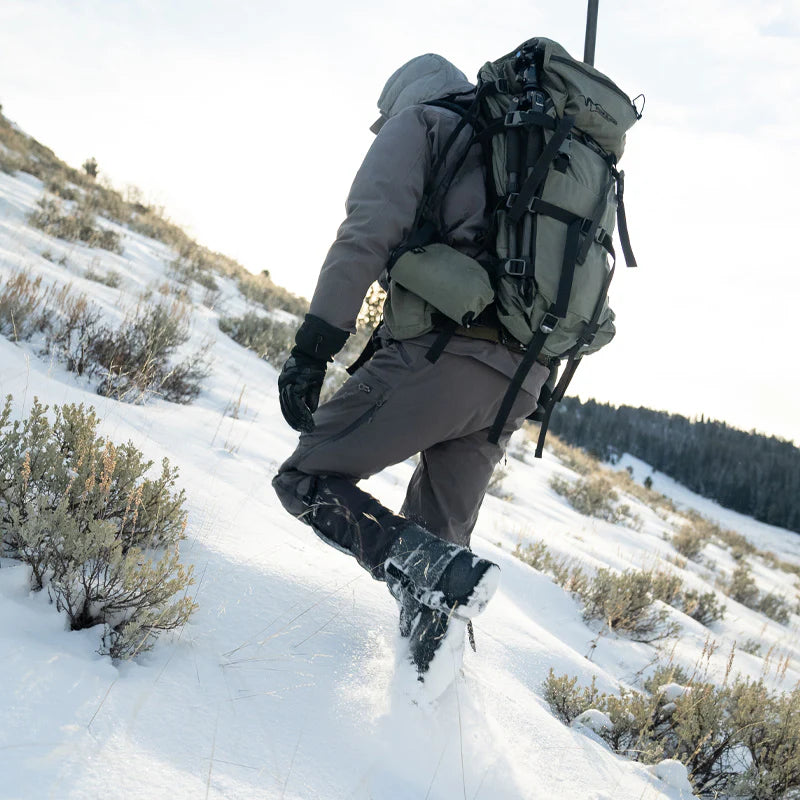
pixel 424 78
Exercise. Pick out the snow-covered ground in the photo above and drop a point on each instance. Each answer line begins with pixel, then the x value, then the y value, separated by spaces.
pixel 281 686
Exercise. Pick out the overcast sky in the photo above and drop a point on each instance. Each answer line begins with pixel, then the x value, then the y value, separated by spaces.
pixel 247 121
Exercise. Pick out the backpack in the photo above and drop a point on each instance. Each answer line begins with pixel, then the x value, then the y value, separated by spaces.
pixel 552 130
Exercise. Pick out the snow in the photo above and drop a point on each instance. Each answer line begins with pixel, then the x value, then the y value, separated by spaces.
pixel 672 691
pixel 674 774
pixel 286 683
pixel 593 719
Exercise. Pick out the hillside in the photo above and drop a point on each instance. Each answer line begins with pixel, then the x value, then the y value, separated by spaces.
pixel 282 683
pixel 755 474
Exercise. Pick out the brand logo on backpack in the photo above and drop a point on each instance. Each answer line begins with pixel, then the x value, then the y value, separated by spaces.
pixel 596 108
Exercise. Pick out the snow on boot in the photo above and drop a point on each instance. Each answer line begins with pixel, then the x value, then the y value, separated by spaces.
pixel 407 605
pixel 439 574
pixel 435 652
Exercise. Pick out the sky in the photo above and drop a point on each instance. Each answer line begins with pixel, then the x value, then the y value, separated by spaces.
pixel 247 120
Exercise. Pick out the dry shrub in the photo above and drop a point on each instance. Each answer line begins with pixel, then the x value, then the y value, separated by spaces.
pixel 624 600
pixel 739 741
pixel 703 607
pixel 137 360
pixel 269 338
pixel 71 331
pixel 536 555
pixel 59 185
pixel 98 534
pixel 193 264
pixel 689 541
pixel 573 457
pixel 22 300
pixel 78 225
pixel 10 163
pixel 775 607
pixel 132 363
pixel 260 289
pixel 625 603
pixel 742 588
pixel 112 278
pixel 738 544
pixel 660 503
pixel 751 646
pixel 594 495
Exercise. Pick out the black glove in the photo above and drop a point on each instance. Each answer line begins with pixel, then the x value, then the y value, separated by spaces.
pixel 300 381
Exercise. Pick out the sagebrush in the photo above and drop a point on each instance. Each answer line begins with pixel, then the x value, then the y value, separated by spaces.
pixel 625 601
pixel 78 224
pixel 594 495
pixel 136 360
pixel 98 534
pixel 737 741
pixel 269 338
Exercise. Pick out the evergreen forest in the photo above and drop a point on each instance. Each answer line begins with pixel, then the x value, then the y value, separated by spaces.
pixel 755 474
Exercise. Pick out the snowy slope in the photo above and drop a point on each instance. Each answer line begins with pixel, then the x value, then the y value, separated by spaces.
pixel 282 684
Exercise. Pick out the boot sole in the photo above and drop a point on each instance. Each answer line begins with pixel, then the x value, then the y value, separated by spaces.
pixel 482 593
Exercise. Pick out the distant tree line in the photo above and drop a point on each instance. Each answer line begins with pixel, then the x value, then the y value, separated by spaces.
pixel 755 474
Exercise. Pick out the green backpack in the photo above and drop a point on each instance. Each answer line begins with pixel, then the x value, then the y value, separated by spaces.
pixel 553 129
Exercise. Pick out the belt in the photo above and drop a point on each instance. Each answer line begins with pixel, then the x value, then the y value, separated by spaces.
pixel 489 334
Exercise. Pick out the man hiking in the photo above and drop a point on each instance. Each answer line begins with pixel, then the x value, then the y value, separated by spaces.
pixel 423 204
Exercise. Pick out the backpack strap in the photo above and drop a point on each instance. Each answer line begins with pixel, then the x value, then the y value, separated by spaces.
pixel 573 362
pixel 557 311
pixel 622 220
pixel 370 348
pixel 447 329
pixel 555 397
pixel 526 194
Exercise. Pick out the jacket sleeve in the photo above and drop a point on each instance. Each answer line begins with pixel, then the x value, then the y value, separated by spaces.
pixel 381 208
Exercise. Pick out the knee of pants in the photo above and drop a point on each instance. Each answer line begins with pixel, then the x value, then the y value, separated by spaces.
pixel 295 490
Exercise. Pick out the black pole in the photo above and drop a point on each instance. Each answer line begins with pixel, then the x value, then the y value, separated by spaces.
pixel 591 32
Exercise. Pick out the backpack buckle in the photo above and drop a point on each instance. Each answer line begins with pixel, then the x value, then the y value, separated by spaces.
pixel 598 234
pixel 513 119
pixel 516 267
pixel 511 199
pixel 548 323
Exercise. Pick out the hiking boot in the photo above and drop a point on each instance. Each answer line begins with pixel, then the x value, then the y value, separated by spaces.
pixel 440 575
pixel 407 605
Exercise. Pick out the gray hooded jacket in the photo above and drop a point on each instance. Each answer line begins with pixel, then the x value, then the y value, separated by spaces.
pixel 387 190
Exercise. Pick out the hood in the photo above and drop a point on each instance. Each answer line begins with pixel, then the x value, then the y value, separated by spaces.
pixel 424 78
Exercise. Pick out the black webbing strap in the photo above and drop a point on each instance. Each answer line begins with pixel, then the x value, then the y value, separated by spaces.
pixel 370 348
pixel 420 236
pixel 531 354
pixel 572 363
pixel 527 119
pixel 567 269
pixel 549 152
pixel 554 398
pixel 594 224
pixel 447 328
pixel 468 116
pixel 558 310
pixel 622 222
pixel 539 206
pixel 518 119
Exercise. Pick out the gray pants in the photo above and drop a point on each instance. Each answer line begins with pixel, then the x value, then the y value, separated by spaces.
pixel 397 405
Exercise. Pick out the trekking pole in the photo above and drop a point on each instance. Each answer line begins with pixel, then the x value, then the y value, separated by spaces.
pixel 591 32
